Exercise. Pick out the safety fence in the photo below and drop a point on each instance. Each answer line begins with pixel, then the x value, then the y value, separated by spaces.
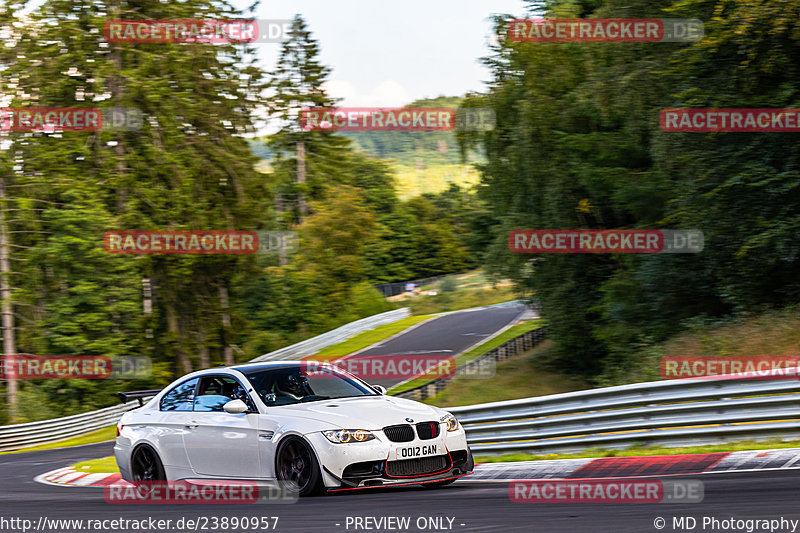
pixel 33 433
pixel 684 412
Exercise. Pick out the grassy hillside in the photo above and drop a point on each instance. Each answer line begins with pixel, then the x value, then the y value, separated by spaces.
pixel 521 376
pixel 432 148
pixel 413 181
pixel 423 161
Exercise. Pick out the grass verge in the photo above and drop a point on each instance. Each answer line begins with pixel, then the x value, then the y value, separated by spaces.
pixel 100 435
pixel 521 376
pixel 512 332
pixel 366 338
pixel 104 465
pixel 643 450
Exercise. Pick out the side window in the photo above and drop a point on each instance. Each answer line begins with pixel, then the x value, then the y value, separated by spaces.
pixel 216 391
pixel 180 398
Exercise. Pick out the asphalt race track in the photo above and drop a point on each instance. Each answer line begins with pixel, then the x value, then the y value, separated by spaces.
pixel 447 335
pixel 479 506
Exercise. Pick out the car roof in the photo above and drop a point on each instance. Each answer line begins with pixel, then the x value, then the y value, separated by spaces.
pixel 241 369
pixel 264 365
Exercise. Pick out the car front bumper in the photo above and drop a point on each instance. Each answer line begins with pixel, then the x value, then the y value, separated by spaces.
pixel 379 462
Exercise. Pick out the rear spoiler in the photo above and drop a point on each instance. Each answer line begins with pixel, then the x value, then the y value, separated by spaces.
pixel 137 395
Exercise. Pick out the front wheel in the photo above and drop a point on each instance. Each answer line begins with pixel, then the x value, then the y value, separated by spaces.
pixel 296 468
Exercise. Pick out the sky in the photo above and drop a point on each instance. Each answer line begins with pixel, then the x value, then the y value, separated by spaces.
pixel 391 52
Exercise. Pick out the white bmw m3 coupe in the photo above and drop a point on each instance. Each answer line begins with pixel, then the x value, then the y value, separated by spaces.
pixel 308 430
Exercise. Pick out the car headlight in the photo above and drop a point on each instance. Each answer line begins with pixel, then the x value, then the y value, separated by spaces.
pixel 450 421
pixel 343 436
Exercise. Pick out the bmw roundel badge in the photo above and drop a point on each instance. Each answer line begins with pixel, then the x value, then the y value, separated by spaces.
pixel 409 419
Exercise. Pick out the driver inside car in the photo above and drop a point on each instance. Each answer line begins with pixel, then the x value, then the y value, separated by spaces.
pixel 293 386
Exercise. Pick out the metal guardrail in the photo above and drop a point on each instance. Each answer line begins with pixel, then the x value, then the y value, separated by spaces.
pixel 315 344
pixel 674 413
pixel 32 433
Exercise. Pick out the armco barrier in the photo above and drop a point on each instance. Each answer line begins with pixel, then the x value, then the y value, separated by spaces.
pixel 671 413
pixel 32 433
pixel 315 344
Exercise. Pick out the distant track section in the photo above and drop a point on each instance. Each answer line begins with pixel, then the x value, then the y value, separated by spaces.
pixel 447 335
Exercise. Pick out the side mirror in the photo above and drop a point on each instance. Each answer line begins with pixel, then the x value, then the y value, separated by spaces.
pixel 236 407
pixel 379 389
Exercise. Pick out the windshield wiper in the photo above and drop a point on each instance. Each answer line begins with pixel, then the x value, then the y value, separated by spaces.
pixel 314 398
pixel 356 396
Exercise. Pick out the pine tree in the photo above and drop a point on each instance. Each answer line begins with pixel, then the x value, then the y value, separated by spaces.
pixel 297 83
pixel 187 167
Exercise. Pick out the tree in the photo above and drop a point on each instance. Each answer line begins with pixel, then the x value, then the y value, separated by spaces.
pixel 297 83
pixel 187 167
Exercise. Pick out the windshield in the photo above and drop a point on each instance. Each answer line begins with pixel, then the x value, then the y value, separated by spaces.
pixel 300 384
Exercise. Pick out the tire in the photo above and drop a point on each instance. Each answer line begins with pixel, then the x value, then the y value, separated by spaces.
pixel 470 461
pixel 146 465
pixel 297 469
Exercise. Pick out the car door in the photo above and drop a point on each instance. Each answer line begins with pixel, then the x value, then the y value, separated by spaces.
pixel 219 443
pixel 168 424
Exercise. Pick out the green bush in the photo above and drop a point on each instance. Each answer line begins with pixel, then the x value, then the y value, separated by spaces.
pixel 448 284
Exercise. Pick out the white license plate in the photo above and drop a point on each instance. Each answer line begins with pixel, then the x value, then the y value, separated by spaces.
pixel 410 452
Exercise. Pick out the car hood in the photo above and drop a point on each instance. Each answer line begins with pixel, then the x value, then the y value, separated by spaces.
pixel 365 412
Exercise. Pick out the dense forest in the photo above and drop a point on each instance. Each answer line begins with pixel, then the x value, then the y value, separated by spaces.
pixel 578 145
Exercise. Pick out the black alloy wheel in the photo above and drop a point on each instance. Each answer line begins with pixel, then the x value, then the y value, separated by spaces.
pixel 296 467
